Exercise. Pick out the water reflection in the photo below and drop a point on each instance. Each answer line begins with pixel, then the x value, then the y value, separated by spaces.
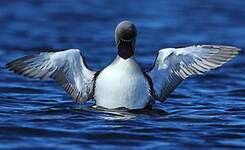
pixel 123 113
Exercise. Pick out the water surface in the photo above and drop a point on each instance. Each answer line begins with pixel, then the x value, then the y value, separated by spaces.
pixel 204 112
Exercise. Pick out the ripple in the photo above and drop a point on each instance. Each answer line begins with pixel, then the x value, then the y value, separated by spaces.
pixel 21 90
pixel 239 92
pixel 204 112
pixel 31 132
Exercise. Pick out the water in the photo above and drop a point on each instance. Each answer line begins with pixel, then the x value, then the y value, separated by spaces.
pixel 204 112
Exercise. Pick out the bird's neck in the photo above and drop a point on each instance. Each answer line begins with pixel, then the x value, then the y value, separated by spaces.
pixel 125 50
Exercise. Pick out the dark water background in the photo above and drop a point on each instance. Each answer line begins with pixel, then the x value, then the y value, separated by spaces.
pixel 205 112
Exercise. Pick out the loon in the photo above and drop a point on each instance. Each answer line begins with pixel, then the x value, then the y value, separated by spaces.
pixel 123 83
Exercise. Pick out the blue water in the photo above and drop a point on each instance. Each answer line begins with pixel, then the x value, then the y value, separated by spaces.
pixel 204 112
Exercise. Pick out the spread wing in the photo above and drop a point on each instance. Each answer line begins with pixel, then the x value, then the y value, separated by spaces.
pixel 66 67
pixel 173 65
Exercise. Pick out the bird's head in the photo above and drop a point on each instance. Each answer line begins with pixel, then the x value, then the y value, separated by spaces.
pixel 125 35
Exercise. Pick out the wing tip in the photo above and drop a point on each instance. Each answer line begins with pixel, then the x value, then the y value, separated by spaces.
pixel 220 47
pixel 8 66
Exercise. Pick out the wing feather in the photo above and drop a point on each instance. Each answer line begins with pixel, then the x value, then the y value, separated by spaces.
pixel 66 67
pixel 173 65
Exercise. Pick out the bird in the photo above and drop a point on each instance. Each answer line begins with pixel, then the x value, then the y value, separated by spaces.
pixel 123 84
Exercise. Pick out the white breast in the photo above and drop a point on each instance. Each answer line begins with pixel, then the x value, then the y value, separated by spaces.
pixel 122 84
